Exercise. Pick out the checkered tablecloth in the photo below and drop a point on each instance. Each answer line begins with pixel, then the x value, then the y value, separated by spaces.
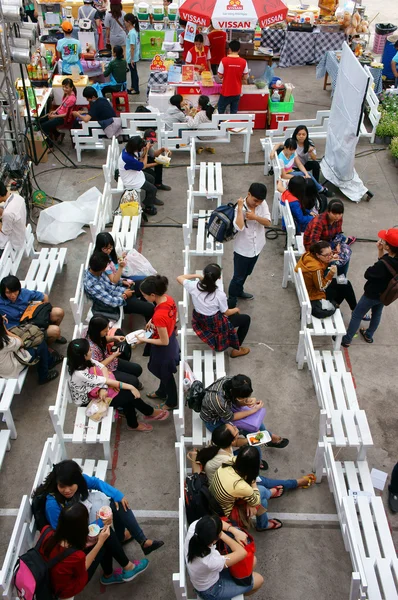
pixel 155 78
pixel 301 48
pixel 329 64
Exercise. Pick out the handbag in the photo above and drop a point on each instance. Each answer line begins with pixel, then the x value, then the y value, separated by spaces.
pixel 100 308
pixel 98 409
pixel 30 334
pixel 137 264
pixel 112 392
pixel 242 571
pixel 250 423
pixel 123 347
pixel 25 358
pixel 129 205
pixel 37 313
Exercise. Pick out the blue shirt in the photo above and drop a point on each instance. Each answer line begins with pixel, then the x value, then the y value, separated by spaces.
pixel 15 310
pixel 70 50
pixel 133 38
pixel 101 288
pixel 395 58
pixel 288 163
pixel 53 508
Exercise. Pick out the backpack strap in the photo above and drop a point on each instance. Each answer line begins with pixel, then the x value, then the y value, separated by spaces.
pixel 61 556
pixel 40 541
pixel 389 267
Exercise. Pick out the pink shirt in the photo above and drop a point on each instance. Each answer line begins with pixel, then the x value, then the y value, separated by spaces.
pixel 67 103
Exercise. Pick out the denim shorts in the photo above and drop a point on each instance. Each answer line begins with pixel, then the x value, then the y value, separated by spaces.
pixel 225 588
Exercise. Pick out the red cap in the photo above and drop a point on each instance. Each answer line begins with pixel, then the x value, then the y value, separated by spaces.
pixel 150 134
pixel 390 236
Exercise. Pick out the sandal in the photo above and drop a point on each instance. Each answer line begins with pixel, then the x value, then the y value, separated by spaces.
pixel 190 457
pixel 160 417
pixel 280 490
pixel 142 428
pixel 365 336
pixel 311 481
pixel 272 524
pixel 263 465
pixel 282 444
pixel 199 150
pixel 154 396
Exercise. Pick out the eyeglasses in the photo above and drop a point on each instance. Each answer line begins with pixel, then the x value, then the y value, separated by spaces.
pixel 327 255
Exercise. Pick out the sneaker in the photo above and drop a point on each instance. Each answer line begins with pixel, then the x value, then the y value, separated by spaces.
pixel 393 501
pixel 150 210
pixel 241 352
pixel 61 340
pixel 350 240
pixel 156 544
pixel 327 192
pixel 140 567
pixel 158 202
pixel 116 577
pixel 165 188
pixel 246 296
pixel 53 374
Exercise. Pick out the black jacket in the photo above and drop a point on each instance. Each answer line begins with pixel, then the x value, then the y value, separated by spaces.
pixel 378 276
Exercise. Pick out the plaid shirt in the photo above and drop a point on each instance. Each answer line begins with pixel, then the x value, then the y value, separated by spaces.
pixel 101 288
pixel 320 229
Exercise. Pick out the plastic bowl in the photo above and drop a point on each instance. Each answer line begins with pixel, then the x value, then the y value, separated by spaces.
pixel 260 85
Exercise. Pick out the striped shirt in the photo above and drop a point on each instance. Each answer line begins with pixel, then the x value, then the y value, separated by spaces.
pixel 227 487
pixel 215 406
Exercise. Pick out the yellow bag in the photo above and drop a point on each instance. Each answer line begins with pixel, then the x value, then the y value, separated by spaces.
pixel 129 205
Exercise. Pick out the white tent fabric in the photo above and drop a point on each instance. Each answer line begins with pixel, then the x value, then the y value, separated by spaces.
pixel 345 117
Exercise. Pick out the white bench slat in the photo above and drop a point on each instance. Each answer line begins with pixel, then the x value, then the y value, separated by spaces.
pixel 364 475
pixel 5 446
pixel 79 425
pixel 388 581
pixel 210 178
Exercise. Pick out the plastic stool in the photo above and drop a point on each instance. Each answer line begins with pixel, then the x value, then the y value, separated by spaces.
pixel 120 102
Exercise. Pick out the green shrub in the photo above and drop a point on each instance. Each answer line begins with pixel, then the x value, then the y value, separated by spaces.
pixel 394 147
pixel 388 126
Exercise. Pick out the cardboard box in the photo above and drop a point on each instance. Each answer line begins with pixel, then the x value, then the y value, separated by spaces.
pixel 40 145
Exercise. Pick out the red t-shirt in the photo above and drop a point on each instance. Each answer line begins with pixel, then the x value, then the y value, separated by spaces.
pixel 232 68
pixel 186 45
pixel 69 577
pixel 218 40
pixel 165 315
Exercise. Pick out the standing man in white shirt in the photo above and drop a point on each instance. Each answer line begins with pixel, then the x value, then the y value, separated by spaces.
pixel 251 216
pixel 13 214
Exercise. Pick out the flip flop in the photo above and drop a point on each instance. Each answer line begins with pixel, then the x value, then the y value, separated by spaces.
pixel 282 444
pixel 154 396
pixel 278 488
pixel 145 428
pixel 365 336
pixel 311 481
pixel 276 524
pixel 160 417
pixel 263 465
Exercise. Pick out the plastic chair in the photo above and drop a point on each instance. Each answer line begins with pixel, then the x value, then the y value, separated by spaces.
pixel 120 102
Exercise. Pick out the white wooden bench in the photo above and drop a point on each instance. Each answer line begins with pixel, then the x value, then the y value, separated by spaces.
pixel 43 269
pixel 330 326
pixel 8 388
pixel 180 578
pixel 125 231
pixel 103 212
pixel 11 258
pixel 210 177
pixel 220 130
pixel 275 164
pixel 292 240
pixel 84 430
pixel 5 445
pixel 205 245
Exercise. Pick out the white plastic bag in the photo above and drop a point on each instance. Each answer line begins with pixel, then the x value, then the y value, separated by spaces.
pixel 64 221
pixel 137 264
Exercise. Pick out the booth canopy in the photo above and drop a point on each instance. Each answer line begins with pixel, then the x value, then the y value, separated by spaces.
pixel 233 14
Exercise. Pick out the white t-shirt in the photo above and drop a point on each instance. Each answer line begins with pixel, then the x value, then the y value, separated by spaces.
pixel 14 222
pixel 250 240
pixel 205 303
pixel 82 382
pixel 203 572
pixel 132 180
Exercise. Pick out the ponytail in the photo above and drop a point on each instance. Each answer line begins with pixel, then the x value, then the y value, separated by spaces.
pixel 207 531
pixel 204 103
pixel 221 438
pixel 211 274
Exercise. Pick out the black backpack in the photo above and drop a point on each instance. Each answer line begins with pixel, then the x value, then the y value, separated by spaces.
pixel 198 500
pixel 39 511
pixel 221 223
pixel 197 392
pixel 32 572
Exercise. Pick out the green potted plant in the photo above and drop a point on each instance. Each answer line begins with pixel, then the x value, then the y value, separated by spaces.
pixel 381 129
pixel 387 128
pixel 394 150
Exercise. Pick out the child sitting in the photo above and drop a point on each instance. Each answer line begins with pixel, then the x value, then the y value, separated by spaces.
pixel 203 115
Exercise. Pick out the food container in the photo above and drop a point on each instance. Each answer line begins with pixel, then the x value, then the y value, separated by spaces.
pixel 143 11
pixel 158 12
pixel 258 437
pixel 93 532
pixel 172 11
pixel 105 512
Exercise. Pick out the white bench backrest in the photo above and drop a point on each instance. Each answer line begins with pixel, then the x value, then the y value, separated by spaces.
pixel 58 410
pixel 131 122
pixel 191 170
pixel 50 456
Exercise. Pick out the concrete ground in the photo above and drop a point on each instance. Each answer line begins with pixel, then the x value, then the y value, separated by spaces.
pixel 302 560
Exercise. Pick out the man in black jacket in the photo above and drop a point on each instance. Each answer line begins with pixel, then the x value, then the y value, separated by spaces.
pixel 378 277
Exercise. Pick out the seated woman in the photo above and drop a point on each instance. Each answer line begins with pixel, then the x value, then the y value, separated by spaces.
pixel 105 243
pixel 87 375
pixel 319 280
pixel 207 568
pixel 212 321
pixel 292 165
pixel 14 357
pixel 202 115
pixel 224 440
pixel 61 115
pixel 176 112
pixel 71 575
pixel 296 196
pixel 100 340
pixel 117 71
pixel 132 162
pixel 66 484
pixel 14 301
pixel 306 150
pixel 232 395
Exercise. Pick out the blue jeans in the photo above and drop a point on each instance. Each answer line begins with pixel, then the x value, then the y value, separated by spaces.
pixel 319 187
pixel 225 101
pixel 364 305
pixel 225 588
pixel 243 267
pixel 288 484
pixel 135 84
pixel 125 519
pixel 45 361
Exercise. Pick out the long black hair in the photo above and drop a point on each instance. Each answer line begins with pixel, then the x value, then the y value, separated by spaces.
pixel 72 528
pixel 69 82
pixel 97 324
pixel 133 20
pixel 207 531
pixel 238 386
pixel 211 274
pixel 221 438
pixel 307 141
pixel 76 352
pixel 135 144
pixel 103 240
pixel 247 464
pixel 311 194
pixel 66 473
pixel 297 187
pixel 204 103
pixel 176 101
pixel 154 284
pixel 4 337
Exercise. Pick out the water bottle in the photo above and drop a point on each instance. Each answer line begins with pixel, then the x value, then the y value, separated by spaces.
pixel 275 96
